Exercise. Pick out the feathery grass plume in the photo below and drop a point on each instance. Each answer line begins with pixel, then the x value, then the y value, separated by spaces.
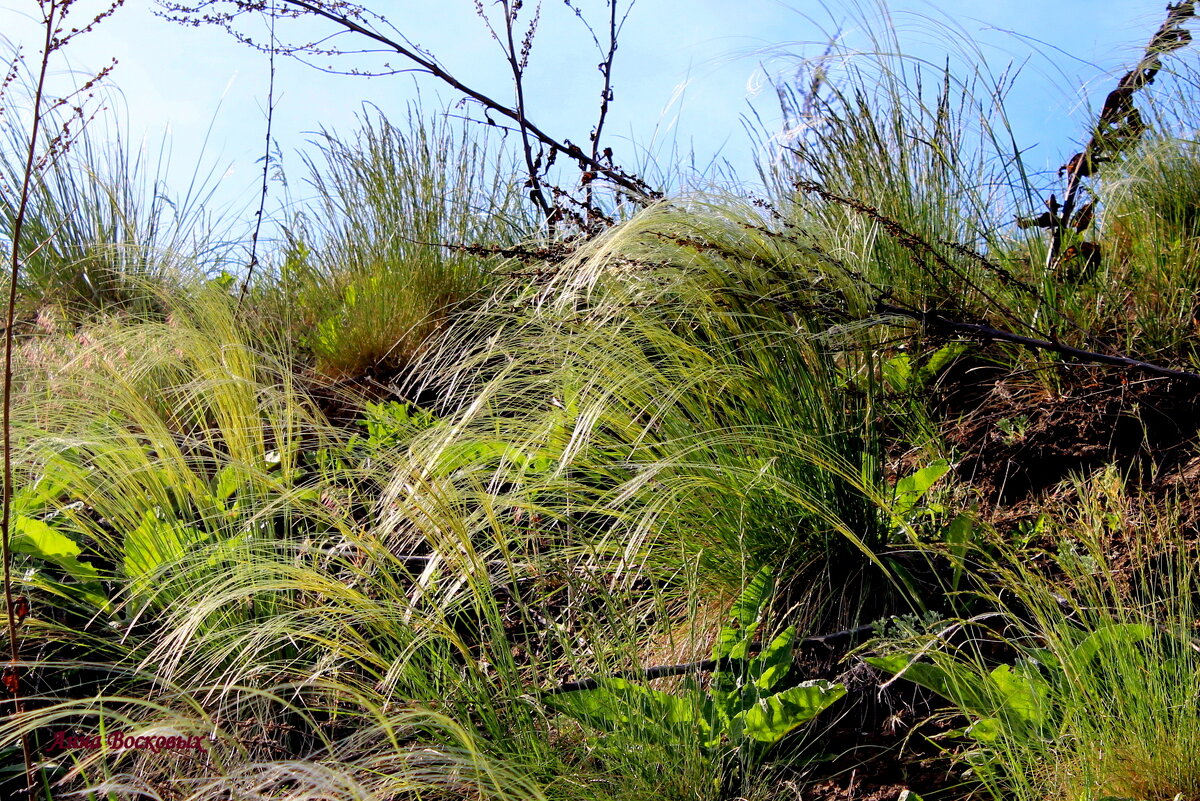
pixel 240 583
pixel 196 449
pixel 379 760
pixel 194 416
pixel 654 404
pixel 371 269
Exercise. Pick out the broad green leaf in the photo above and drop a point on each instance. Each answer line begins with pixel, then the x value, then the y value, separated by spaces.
pixel 735 637
pixel 36 538
pixel 905 577
pixel 1105 638
pixel 957 536
pixel 897 372
pixel 90 592
pixel 712 723
pixel 223 280
pixel 941 359
pixel 985 730
pixel 775 661
pixel 776 715
pixel 469 454
pixel 1023 693
pixel 32 498
pixel 229 479
pixel 910 489
pixel 734 643
pixel 959 684
pixel 1044 657
pixel 492 452
pixel 618 705
pixel 155 543
pixel 600 708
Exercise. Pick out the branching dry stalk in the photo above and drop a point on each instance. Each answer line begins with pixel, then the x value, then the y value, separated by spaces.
pixel 56 37
pixel 518 62
pixel 1118 128
pixel 923 252
pixel 608 53
pixel 262 199
pixel 939 321
pixel 821 643
pixel 595 164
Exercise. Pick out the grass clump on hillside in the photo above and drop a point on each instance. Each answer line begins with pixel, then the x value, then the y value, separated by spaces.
pixel 107 232
pixel 378 261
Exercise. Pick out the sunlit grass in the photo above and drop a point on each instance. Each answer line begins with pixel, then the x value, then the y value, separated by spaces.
pixel 102 230
pixel 568 468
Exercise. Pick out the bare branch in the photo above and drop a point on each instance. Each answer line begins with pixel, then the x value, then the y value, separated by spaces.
pixel 262 200
pixel 596 163
pixel 517 63
pixel 936 321
pixel 836 639
pixel 56 37
pixel 12 673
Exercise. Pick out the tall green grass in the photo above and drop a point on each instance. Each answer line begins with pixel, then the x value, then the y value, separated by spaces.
pixel 102 228
pixel 925 152
pixel 926 145
pixel 1146 293
pixel 379 257
pixel 1080 683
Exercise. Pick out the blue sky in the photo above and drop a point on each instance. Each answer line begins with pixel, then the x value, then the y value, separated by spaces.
pixel 685 76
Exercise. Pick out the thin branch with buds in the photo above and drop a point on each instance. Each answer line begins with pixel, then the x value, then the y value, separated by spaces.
pixel 596 163
pixel 262 200
pixel 56 37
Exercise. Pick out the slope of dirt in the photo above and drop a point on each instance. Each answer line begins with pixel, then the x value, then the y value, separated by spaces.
pixel 1020 435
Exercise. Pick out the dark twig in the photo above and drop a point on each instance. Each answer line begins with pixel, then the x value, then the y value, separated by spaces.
pixel 518 61
pixel 12 673
pixel 262 199
pixel 834 640
pixel 918 247
pixel 553 253
pixel 56 36
pixel 935 321
pixel 346 15
pixel 606 92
